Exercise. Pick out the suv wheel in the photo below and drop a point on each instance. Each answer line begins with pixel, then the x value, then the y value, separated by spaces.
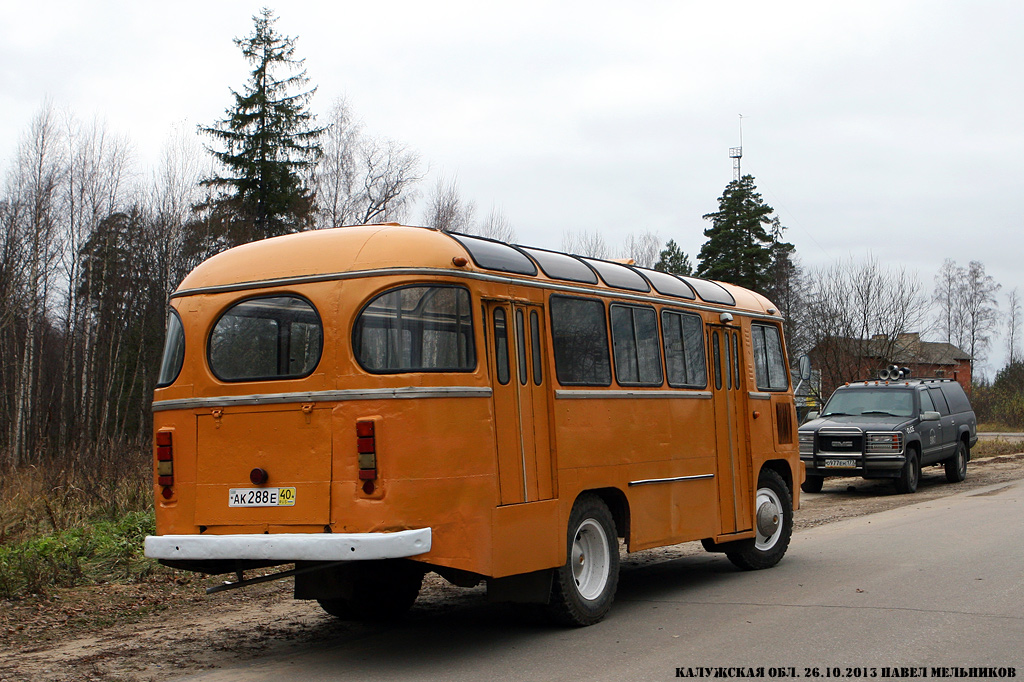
pixel 956 466
pixel 910 474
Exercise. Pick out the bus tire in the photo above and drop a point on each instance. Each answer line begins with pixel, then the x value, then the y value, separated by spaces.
pixel 773 525
pixel 812 484
pixel 956 466
pixel 583 588
pixel 381 592
pixel 910 474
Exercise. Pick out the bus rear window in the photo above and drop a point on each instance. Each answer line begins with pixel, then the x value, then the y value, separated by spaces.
pixel 174 351
pixel 272 337
pixel 416 329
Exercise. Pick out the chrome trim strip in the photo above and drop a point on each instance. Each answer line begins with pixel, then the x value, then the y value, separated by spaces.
pixel 569 394
pixel 481 276
pixel 756 395
pixel 325 396
pixel 647 481
pixel 291 546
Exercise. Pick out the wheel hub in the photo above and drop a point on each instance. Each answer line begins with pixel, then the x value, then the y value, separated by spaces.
pixel 767 519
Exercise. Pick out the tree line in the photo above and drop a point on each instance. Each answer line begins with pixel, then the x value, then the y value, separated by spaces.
pixel 91 247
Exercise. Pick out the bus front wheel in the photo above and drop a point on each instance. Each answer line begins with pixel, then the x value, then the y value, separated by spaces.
pixel 583 588
pixel 773 525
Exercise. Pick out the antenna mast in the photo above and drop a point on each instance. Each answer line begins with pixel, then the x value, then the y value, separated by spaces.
pixel 736 154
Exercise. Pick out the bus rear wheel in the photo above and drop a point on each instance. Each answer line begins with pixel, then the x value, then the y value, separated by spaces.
pixel 773 525
pixel 381 591
pixel 583 588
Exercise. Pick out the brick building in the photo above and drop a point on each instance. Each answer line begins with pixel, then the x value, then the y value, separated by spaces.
pixel 843 359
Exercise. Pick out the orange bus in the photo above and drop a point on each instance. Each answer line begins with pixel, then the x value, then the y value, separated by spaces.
pixel 370 403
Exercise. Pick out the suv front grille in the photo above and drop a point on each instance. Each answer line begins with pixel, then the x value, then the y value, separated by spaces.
pixel 884 443
pixel 841 441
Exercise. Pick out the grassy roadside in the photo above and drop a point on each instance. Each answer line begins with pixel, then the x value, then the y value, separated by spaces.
pixel 994 448
pixel 78 525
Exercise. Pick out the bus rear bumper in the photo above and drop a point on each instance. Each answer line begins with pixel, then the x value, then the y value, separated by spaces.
pixel 290 547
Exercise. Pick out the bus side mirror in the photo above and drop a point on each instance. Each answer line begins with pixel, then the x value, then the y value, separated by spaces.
pixel 930 416
pixel 805 367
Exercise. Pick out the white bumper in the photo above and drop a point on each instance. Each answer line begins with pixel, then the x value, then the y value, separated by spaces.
pixel 291 546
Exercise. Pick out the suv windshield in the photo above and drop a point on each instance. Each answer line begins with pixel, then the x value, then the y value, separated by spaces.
pixel 870 401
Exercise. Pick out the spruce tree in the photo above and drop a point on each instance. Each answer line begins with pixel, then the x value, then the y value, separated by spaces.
pixel 739 248
pixel 267 141
pixel 674 260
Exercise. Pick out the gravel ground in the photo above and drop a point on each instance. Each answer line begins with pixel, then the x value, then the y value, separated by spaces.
pixel 168 627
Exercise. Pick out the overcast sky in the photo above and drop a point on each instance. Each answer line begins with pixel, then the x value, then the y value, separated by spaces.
pixel 891 127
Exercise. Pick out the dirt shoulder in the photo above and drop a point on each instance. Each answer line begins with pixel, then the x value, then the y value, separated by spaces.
pixel 169 627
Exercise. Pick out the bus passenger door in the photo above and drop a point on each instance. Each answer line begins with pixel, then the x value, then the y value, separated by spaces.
pixel 516 354
pixel 734 488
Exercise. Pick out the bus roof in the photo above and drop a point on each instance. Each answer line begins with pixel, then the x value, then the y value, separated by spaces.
pixel 338 252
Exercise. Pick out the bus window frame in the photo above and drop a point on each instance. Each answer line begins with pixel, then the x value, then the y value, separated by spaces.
pixel 277 377
pixel 633 307
pixel 432 370
pixel 681 313
pixel 607 339
pixel 764 324
pixel 174 314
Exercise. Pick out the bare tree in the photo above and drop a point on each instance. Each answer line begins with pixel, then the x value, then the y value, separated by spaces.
pixel 390 171
pixel 497 226
pixel 1013 319
pixel 583 243
pixel 361 179
pixel 174 188
pixel 858 313
pixel 38 175
pixel 644 249
pixel 336 176
pixel 97 171
pixel 947 296
pixel 447 210
pixel 981 310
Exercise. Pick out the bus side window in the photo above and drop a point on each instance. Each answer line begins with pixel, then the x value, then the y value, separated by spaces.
pixel 635 345
pixel 538 372
pixel 769 366
pixel 501 345
pixel 521 347
pixel 416 329
pixel 579 336
pixel 716 352
pixel 683 334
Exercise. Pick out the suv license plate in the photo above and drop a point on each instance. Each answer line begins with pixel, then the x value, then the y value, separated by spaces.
pixel 261 497
pixel 840 464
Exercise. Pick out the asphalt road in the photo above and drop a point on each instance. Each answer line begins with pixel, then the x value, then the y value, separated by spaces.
pixel 940 583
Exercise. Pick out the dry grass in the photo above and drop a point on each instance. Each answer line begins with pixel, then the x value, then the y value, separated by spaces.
pixel 994 447
pixel 75 521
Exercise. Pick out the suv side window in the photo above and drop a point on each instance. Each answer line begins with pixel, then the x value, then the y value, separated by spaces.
pixel 956 397
pixel 926 402
pixel 940 402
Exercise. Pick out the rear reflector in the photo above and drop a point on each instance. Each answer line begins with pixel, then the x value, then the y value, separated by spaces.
pixel 165 461
pixel 366 449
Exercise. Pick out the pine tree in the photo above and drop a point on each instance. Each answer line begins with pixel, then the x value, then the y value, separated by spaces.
pixel 739 248
pixel 673 260
pixel 268 141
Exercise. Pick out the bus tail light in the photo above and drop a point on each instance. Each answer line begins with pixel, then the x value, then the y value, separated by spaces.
pixel 366 447
pixel 165 460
